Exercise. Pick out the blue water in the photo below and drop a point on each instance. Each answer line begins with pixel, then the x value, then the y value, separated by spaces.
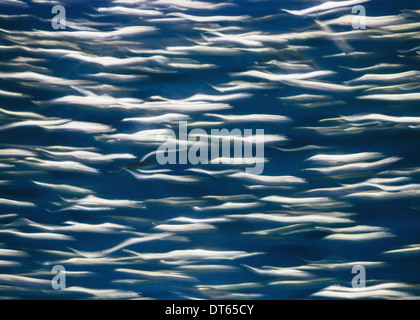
pixel 395 215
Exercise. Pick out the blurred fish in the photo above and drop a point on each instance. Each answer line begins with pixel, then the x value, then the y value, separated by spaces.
pixel 394 77
pixel 207 268
pixel 38 236
pixel 63 188
pixel 198 254
pixel 168 117
pixel 87 156
pixel 15 203
pixel 159 275
pixel 16 153
pixel 103 294
pixel 129 11
pixel 242 86
pixel 229 206
pixel 280 272
pixel 376 67
pixel 382 291
pixel 407 250
pixel 69 166
pixel 93 201
pixel 359 236
pixel 325 6
pixel 30 115
pixel 33 123
pixel 345 158
pixel 250 118
pixel 124 244
pixel 271 180
pixel 9 94
pixel 284 77
pixel 357 166
pixel 282 218
pixel 305 98
pixel 208 18
pixel 165 177
pixel 186 228
pixel 392 97
pixel 324 86
pixel 202 5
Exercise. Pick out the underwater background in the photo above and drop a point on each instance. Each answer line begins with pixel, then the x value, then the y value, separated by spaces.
pixel 83 107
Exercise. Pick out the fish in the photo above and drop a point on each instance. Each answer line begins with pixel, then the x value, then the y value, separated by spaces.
pixel 16 203
pixel 64 188
pixel 186 228
pixel 115 77
pixel 124 244
pixel 280 272
pixel 165 177
pixel 203 50
pixel 391 97
pixel 234 86
pixel 325 6
pixel 270 180
pixel 119 10
pixel 201 5
pixel 394 77
pixel 104 293
pixel 16 153
pixel 197 254
pixel 158 275
pixel 410 249
pixel 165 118
pixel 120 33
pixel 229 206
pixel 304 148
pixel 305 97
pixel 310 218
pixel 211 172
pixel 40 78
pixel 356 166
pixel 250 118
pixel 12 253
pixel 80 126
pixel 207 268
pixel 20 281
pixel 69 166
pixel 324 86
pixel 286 231
pixel 10 94
pixel 376 67
pixel 86 108
pixel 380 291
pixel 208 18
pixel 87 156
pixel 382 22
pixel 203 221
pixel 25 115
pixel 285 77
pixel 33 123
pixel 38 235
pixel 359 236
pixel 93 201
pixel 336 159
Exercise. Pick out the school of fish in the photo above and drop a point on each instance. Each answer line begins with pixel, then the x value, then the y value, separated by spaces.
pixel 84 109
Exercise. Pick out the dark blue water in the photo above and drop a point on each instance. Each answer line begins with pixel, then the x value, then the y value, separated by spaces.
pixel 317 250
